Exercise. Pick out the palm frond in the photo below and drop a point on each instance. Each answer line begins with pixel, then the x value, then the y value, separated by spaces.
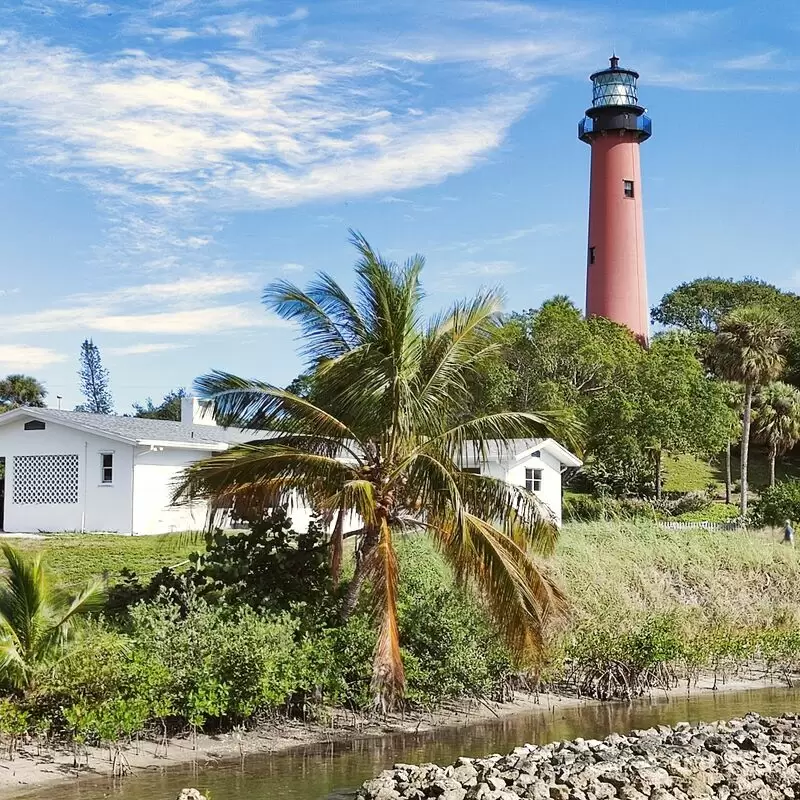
pixel 523 599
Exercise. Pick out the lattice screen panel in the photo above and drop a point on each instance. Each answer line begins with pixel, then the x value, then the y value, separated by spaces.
pixel 45 479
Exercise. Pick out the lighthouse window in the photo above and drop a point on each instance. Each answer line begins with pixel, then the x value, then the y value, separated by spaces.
pixel 628 188
pixel 591 255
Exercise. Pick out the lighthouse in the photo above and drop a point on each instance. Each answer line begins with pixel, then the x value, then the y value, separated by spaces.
pixel 614 127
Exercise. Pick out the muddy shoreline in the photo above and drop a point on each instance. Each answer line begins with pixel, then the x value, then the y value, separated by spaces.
pixel 32 767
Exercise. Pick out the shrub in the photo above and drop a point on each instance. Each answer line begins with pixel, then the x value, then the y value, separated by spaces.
pixel 450 648
pixel 582 508
pixel 269 568
pixel 778 503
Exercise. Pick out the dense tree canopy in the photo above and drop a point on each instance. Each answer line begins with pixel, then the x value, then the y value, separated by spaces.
pixel 169 408
pixel 21 390
pixel 700 305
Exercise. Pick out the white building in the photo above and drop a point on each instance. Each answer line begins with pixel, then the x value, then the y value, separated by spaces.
pixel 71 471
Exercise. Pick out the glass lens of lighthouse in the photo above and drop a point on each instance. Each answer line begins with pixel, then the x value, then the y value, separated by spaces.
pixel 614 88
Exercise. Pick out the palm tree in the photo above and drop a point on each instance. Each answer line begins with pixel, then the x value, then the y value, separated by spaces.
pixel 21 390
pixel 380 434
pixel 37 621
pixel 777 420
pixel 733 401
pixel 747 349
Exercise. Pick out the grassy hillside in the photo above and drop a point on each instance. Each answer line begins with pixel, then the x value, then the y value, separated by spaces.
pixel 648 605
pixel 686 473
pixel 626 571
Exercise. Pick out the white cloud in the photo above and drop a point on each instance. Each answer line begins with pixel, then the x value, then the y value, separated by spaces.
pixel 484 268
pixel 200 321
pixel 21 356
pixel 756 61
pixel 144 349
pixel 292 267
pixel 183 289
pixel 238 130
pixel 475 245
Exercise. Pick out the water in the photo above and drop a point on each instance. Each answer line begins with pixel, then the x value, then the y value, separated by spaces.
pixel 334 771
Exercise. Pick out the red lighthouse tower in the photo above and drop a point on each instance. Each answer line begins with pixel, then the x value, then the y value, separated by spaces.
pixel 614 126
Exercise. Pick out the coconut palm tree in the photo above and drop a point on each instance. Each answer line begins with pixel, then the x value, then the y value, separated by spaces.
pixel 748 349
pixel 37 620
pixel 776 420
pixel 21 390
pixel 380 434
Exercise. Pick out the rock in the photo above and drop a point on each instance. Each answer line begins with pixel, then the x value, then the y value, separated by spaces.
pixel 559 792
pixel 752 758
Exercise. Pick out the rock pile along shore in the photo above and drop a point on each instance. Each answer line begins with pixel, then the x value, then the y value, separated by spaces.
pixel 755 758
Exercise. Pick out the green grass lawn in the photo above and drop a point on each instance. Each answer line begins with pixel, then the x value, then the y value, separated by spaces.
pixel 75 558
pixel 686 473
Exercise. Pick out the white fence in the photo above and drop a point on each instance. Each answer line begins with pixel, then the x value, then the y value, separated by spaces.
pixel 679 525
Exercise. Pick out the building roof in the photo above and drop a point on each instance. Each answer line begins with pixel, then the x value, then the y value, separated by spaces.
pixel 166 433
pixel 519 449
pixel 137 430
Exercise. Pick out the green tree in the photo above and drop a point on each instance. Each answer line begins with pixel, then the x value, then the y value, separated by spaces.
pixel 21 390
pixel 776 420
pixel 169 408
pixel 700 305
pixel 678 409
pixel 94 381
pixel 387 387
pixel 37 620
pixel 748 349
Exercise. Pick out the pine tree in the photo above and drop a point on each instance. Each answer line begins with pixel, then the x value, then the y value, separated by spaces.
pixel 94 381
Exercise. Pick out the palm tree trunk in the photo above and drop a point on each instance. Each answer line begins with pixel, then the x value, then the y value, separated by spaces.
pixel 748 404
pixel 728 480
pixel 359 576
pixel 773 452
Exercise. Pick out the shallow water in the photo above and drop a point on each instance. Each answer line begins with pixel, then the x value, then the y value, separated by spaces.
pixel 330 771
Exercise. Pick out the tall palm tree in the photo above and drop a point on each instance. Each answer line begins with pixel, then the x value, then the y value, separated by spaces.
pixel 776 420
pixel 748 349
pixel 37 620
pixel 21 390
pixel 381 434
pixel 733 400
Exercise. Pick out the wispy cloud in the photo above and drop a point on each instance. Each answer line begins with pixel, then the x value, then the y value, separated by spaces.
pixel 484 268
pixel 20 356
pixel 172 308
pixel 475 245
pixel 183 289
pixel 145 349
pixel 755 61
pixel 203 321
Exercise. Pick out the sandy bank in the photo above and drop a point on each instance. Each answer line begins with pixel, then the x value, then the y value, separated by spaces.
pixel 33 767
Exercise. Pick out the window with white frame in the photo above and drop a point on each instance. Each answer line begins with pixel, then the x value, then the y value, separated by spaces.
pixel 533 480
pixel 106 468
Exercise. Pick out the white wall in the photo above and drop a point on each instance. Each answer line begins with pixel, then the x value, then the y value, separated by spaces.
pixel 550 493
pixel 155 473
pixel 99 507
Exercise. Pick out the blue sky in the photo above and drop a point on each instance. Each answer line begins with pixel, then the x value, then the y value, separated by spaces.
pixel 162 160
